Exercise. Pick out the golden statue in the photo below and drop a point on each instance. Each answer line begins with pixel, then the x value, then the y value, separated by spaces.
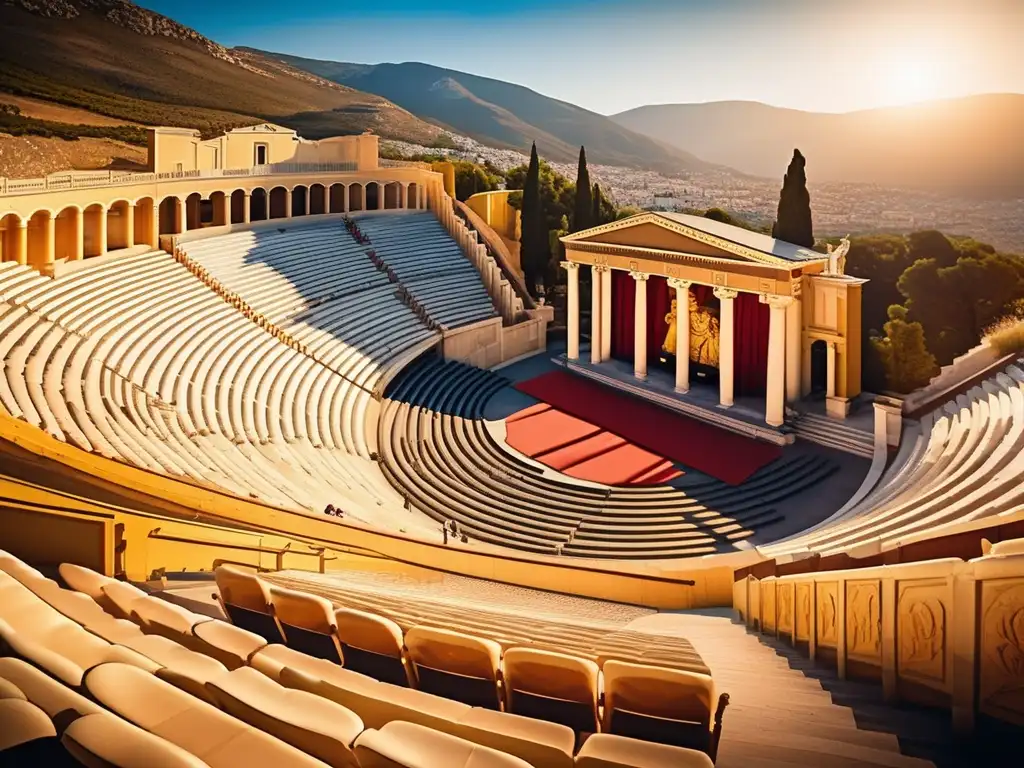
pixel 703 333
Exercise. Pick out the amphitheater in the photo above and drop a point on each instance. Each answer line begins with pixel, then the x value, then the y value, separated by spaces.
pixel 291 475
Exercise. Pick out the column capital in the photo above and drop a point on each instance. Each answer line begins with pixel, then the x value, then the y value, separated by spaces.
pixel 22 223
pixel 569 266
pixel 638 276
pixel 600 268
pixel 679 283
pixel 724 294
pixel 776 302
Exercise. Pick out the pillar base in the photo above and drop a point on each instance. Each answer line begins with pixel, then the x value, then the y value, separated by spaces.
pixel 680 390
pixel 837 407
pixel 724 405
pixel 641 376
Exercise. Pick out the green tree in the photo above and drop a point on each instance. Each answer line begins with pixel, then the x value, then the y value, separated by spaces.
pixel 604 209
pixel 626 211
pixel 471 178
pixel 583 211
pixel 793 223
pixel 534 245
pixel 904 354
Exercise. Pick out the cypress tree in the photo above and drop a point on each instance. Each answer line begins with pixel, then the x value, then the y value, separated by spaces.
pixel 595 217
pixel 794 218
pixel 534 252
pixel 582 217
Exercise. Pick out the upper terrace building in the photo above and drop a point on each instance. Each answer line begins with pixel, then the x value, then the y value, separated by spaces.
pixel 248 174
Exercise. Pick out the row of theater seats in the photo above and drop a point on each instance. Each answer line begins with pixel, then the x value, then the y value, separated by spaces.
pixel 435 446
pixel 137 360
pixel 961 462
pixel 236 700
pixel 430 265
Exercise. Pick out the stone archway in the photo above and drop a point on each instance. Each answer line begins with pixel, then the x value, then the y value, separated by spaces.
pixel 120 225
pixel 12 246
pixel 278 203
pixel 392 196
pixel 317 200
pixel 195 210
pixel 300 200
pixel 219 215
pixel 39 240
pixel 237 207
pixel 413 196
pixel 67 230
pixel 356 201
pixel 168 216
pixel 373 196
pixel 94 237
pixel 259 205
pixel 145 231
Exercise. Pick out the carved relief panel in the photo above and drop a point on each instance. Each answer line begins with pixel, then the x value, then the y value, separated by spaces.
pixel 803 610
pixel 826 598
pixel 768 620
pixel 1001 649
pixel 784 598
pixel 922 611
pixel 864 621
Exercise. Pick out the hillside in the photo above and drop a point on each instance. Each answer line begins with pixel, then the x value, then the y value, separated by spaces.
pixel 113 58
pixel 969 146
pixel 497 113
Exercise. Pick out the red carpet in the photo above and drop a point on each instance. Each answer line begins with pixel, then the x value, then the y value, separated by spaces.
pixel 657 434
pixel 583 451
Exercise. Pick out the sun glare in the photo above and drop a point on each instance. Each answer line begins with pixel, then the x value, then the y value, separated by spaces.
pixel 911 79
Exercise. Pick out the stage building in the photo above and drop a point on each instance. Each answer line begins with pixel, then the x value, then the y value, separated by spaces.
pixel 732 314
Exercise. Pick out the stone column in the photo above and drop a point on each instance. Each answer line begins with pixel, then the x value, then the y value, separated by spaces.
pixel 830 368
pixel 181 210
pixel 775 389
pixel 78 235
pixel 50 244
pixel 225 210
pixel 572 319
pixel 247 207
pixel 129 225
pixel 596 307
pixel 101 232
pixel 287 203
pixel 794 346
pixel 726 344
pixel 682 288
pixel 405 195
pixel 640 326
pixel 21 243
pixel 606 314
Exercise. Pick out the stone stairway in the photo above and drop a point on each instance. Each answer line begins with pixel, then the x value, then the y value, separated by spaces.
pixel 833 433
pixel 784 711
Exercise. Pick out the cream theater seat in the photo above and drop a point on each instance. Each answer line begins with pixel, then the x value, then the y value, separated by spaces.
pixel 122 596
pixel 307 622
pixel 604 750
pixel 406 745
pixel 667 706
pixel 373 645
pixel 245 599
pixel 27 737
pixel 456 666
pixel 552 686
pixel 106 741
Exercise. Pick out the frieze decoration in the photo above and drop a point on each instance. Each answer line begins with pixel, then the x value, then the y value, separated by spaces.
pixel 688 232
pixel 827 602
pixel 784 596
pixel 921 632
pixel 1001 680
pixel 863 621
pixel 766 286
pixel 719 278
pixel 634 266
pixel 768 606
pixel 803 611
pixel 672 271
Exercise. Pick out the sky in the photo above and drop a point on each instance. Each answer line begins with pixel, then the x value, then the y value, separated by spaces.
pixel 612 55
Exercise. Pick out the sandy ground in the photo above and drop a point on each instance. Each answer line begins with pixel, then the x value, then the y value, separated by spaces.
pixel 30 157
pixel 45 110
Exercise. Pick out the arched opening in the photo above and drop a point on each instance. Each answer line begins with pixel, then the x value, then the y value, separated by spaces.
pixel 10 239
pixel 237 212
pixel 414 196
pixel 355 198
pixel 819 368
pixel 300 201
pixel 39 239
pixel 393 196
pixel 337 198
pixel 143 216
pixel 120 226
pixel 67 230
pixel 94 235
pixel 259 207
pixel 317 199
pixel 219 214
pixel 373 196
pixel 195 208
pixel 168 216
pixel 278 203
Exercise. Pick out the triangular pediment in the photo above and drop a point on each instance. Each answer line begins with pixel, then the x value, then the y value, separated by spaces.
pixel 694 236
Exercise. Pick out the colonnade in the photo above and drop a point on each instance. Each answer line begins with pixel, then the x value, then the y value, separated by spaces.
pixel 76 232
pixel 783 382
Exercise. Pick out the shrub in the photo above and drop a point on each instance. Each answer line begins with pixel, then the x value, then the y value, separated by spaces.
pixel 1007 336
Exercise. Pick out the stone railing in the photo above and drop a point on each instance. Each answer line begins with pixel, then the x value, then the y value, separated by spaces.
pixel 389 163
pixel 90 179
pixel 939 632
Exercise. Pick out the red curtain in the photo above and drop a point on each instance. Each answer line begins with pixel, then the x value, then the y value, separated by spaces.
pixel 750 316
pixel 751 344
